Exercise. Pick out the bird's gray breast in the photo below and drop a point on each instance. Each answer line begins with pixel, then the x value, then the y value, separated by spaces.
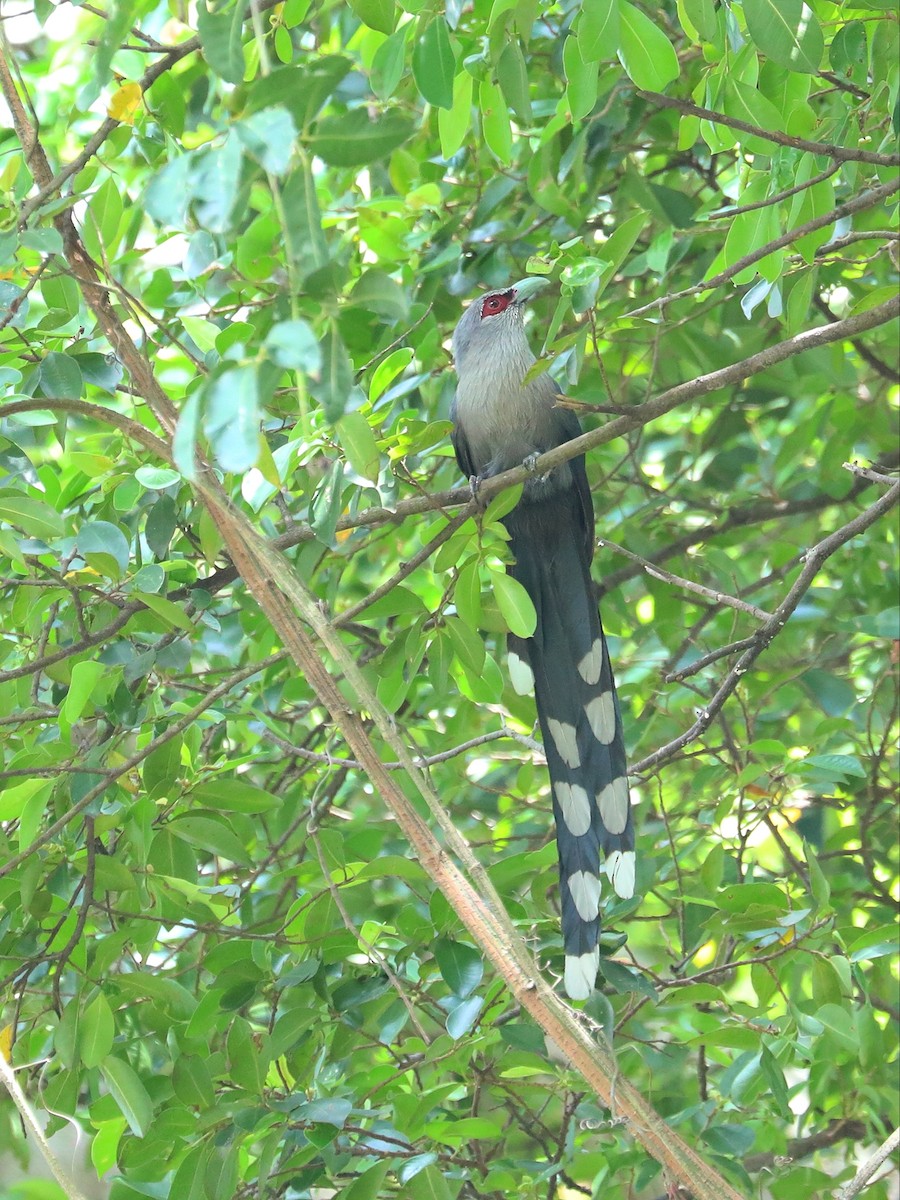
pixel 503 421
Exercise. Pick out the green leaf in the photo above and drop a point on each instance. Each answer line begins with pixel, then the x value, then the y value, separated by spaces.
pixel 626 979
pixel 353 140
pixel 454 124
pixel 454 1133
pixel 327 502
pixel 702 15
pixel 512 75
pixel 85 677
pixel 389 63
pixel 212 834
pixel 848 53
pixel 104 547
pixel 836 766
pixel 220 35
pixel 234 795
pixel 189 1181
pixel 747 895
pixel 434 64
pixel 60 377
pixel 598 31
pixel 332 388
pixel 377 14
pixel 467 594
pixel 787 31
pixel 269 136
pixel 305 240
pixel 388 370
pixel 102 219
pixel 644 51
pixel 839 1024
pixel 294 346
pixel 748 104
pixel 581 80
pixel 32 811
pixel 461 966
pixel 184 444
pixel 463 1015
pixel 171 612
pixel 129 1094
pixel 192 1081
pixel 303 90
pixel 248 1069
pixel 96 1031
pixel 359 444
pixel 504 502
pixel 231 405
pixel 515 604
pixel 495 122
pixel 156 478
pixel 467 645
pixel 113 32
pixel 368 1185
pixel 35 517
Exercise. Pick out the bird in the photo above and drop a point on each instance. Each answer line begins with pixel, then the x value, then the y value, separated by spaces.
pixel 501 421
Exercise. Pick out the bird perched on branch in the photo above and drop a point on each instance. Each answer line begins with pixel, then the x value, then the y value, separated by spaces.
pixel 500 422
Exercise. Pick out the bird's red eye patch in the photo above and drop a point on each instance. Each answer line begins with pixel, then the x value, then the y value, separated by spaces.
pixel 496 303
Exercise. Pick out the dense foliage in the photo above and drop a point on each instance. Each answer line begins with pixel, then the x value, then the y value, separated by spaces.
pixel 217 950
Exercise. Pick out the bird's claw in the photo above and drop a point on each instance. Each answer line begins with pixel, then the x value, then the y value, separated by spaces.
pixel 529 462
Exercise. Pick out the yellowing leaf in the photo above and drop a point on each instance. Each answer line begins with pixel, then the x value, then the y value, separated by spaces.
pixel 125 103
pixel 6 1042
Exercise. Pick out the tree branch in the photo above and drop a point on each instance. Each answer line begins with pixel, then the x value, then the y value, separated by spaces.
pixel 838 153
pixel 888 1147
pixel 814 559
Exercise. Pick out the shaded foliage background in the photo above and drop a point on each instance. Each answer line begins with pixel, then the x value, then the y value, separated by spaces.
pixel 215 948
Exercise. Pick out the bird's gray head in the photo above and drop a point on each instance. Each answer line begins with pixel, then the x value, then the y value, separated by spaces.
pixel 494 322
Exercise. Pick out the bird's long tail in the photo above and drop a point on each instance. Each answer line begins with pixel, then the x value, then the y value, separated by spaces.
pixel 580 721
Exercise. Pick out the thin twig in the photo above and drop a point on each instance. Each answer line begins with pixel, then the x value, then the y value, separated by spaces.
pixel 889 1146
pixel 814 559
pixel 838 153
pixel 858 204
pixel 720 598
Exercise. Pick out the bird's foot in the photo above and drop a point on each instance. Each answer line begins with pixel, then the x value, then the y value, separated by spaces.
pixel 529 462
pixel 475 482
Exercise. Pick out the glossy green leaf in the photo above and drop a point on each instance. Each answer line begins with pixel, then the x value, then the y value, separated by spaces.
pixel 354 140
pixel 332 388
pixel 220 34
pixel 359 444
pixel 515 604
pixel 581 80
pixel 31 515
pixel 129 1093
pixel 305 239
pixel 787 31
pixel 454 123
pixel 61 377
pixel 388 370
pixel 96 1031
pixel 293 345
pixel 462 966
pixel 231 417
pixel 495 121
pixel 377 14
pixel 512 75
pixel 598 31
pixel 85 677
pixel 434 64
pixel 644 50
